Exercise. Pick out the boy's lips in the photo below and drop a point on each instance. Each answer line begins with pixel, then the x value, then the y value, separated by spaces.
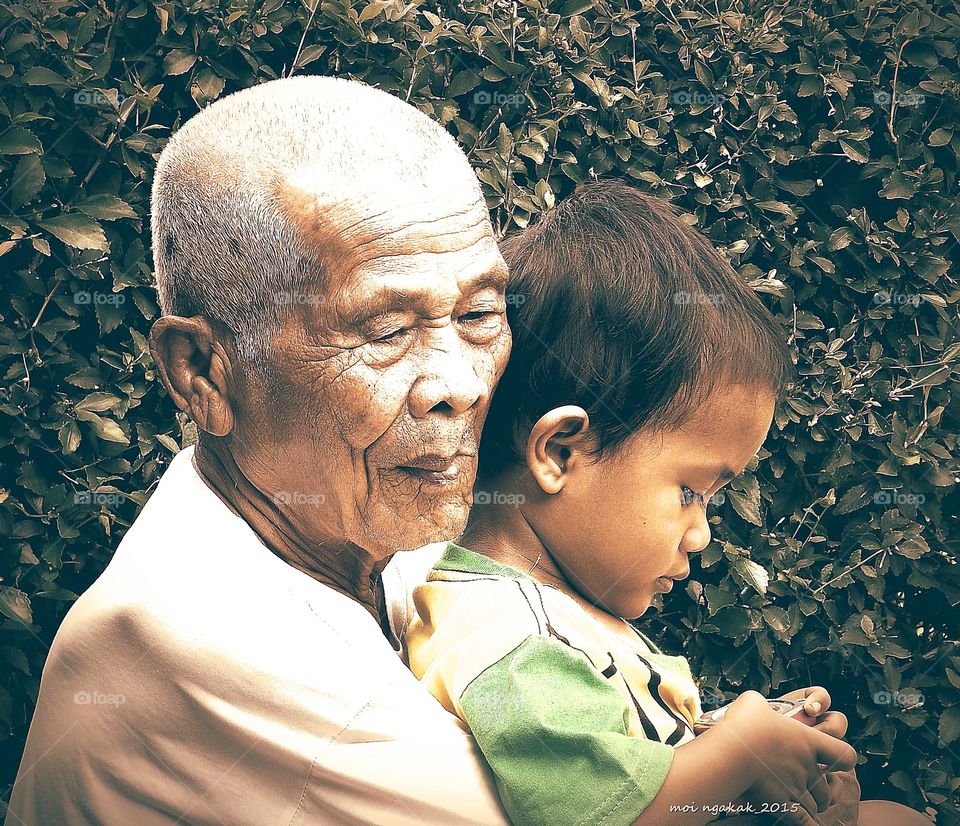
pixel 665 583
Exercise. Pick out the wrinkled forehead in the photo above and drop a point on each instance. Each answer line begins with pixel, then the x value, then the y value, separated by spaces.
pixel 393 232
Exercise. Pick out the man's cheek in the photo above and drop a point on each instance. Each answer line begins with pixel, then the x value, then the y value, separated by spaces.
pixel 489 368
pixel 372 405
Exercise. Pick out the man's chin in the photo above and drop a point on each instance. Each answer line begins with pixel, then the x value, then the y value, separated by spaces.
pixel 447 521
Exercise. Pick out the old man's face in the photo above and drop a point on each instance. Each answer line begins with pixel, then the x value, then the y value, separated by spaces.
pixel 384 379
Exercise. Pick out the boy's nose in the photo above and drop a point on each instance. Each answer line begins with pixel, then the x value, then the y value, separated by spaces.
pixel 697 537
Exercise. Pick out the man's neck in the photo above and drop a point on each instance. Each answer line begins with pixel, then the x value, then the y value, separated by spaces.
pixel 345 568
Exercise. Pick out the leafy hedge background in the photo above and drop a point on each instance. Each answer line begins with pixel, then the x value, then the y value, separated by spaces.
pixel 816 143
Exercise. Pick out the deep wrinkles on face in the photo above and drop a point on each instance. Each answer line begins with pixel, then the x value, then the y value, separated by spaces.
pixel 344 242
pixel 338 231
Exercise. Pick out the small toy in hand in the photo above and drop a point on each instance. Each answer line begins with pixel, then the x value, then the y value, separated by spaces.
pixel 788 708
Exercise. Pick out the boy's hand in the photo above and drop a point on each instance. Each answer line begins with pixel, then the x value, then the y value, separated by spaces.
pixel 814 712
pixel 786 758
pixel 845 799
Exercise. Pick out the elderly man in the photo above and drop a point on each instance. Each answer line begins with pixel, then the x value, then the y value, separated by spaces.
pixel 333 322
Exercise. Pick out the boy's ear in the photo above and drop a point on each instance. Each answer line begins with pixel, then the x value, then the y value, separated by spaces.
pixel 555 441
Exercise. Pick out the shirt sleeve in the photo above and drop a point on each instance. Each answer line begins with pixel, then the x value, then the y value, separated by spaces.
pixel 551 727
pixel 554 732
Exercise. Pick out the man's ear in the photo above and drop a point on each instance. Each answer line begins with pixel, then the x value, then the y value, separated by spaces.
pixel 196 370
pixel 552 443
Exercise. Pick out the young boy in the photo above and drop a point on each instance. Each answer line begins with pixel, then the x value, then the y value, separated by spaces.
pixel 643 378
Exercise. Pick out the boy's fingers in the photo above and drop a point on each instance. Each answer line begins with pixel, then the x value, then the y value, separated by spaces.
pixel 805 814
pixel 820 792
pixel 835 754
pixel 834 724
pixel 816 694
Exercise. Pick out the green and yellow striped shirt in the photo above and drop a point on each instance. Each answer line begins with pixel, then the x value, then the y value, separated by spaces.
pixel 578 725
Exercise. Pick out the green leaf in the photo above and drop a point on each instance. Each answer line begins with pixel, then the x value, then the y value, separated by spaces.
pixel 463 82
pixel 840 239
pixel 897 185
pixel 69 436
pixel 207 86
pixel 19 141
pixel 718 598
pixel 572 7
pixel 106 207
pixel 746 502
pixel 375 9
pixel 754 575
pixel 78 231
pixel 15 604
pixel 732 621
pixel 41 76
pixel 28 180
pixel 178 61
pixel 940 137
pixel 778 207
pixel 855 151
pixel 98 403
pixel 949 726
pixel 855 498
pixel 106 429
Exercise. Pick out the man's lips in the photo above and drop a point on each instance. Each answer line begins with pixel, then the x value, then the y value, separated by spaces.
pixel 438 468
pixel 434 461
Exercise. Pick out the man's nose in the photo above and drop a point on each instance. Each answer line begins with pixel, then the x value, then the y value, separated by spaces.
pixel 448 383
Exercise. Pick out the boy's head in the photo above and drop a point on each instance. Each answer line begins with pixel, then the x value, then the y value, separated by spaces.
pixel 643 376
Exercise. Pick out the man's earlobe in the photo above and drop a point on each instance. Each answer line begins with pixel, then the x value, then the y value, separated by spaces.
pixel 196 370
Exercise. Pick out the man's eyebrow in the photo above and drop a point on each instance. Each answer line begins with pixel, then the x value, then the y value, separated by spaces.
pixel 389 299
pixel 497 278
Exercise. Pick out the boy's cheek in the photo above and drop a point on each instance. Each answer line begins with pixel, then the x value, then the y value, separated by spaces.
pixel 628 602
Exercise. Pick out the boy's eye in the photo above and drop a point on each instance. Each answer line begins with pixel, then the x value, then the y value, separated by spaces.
pixel 688 497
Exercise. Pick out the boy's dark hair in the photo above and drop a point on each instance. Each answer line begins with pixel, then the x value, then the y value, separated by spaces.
pixel 619 306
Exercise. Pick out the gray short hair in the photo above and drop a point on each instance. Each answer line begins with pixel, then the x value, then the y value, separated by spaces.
pixel 222 247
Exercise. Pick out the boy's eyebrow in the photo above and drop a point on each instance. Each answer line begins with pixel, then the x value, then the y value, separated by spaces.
pixel 720 472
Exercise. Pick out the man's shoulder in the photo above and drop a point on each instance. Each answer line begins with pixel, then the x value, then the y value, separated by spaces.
pixel 190 579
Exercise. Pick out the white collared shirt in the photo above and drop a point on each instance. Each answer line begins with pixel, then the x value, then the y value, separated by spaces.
pixel 202 680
